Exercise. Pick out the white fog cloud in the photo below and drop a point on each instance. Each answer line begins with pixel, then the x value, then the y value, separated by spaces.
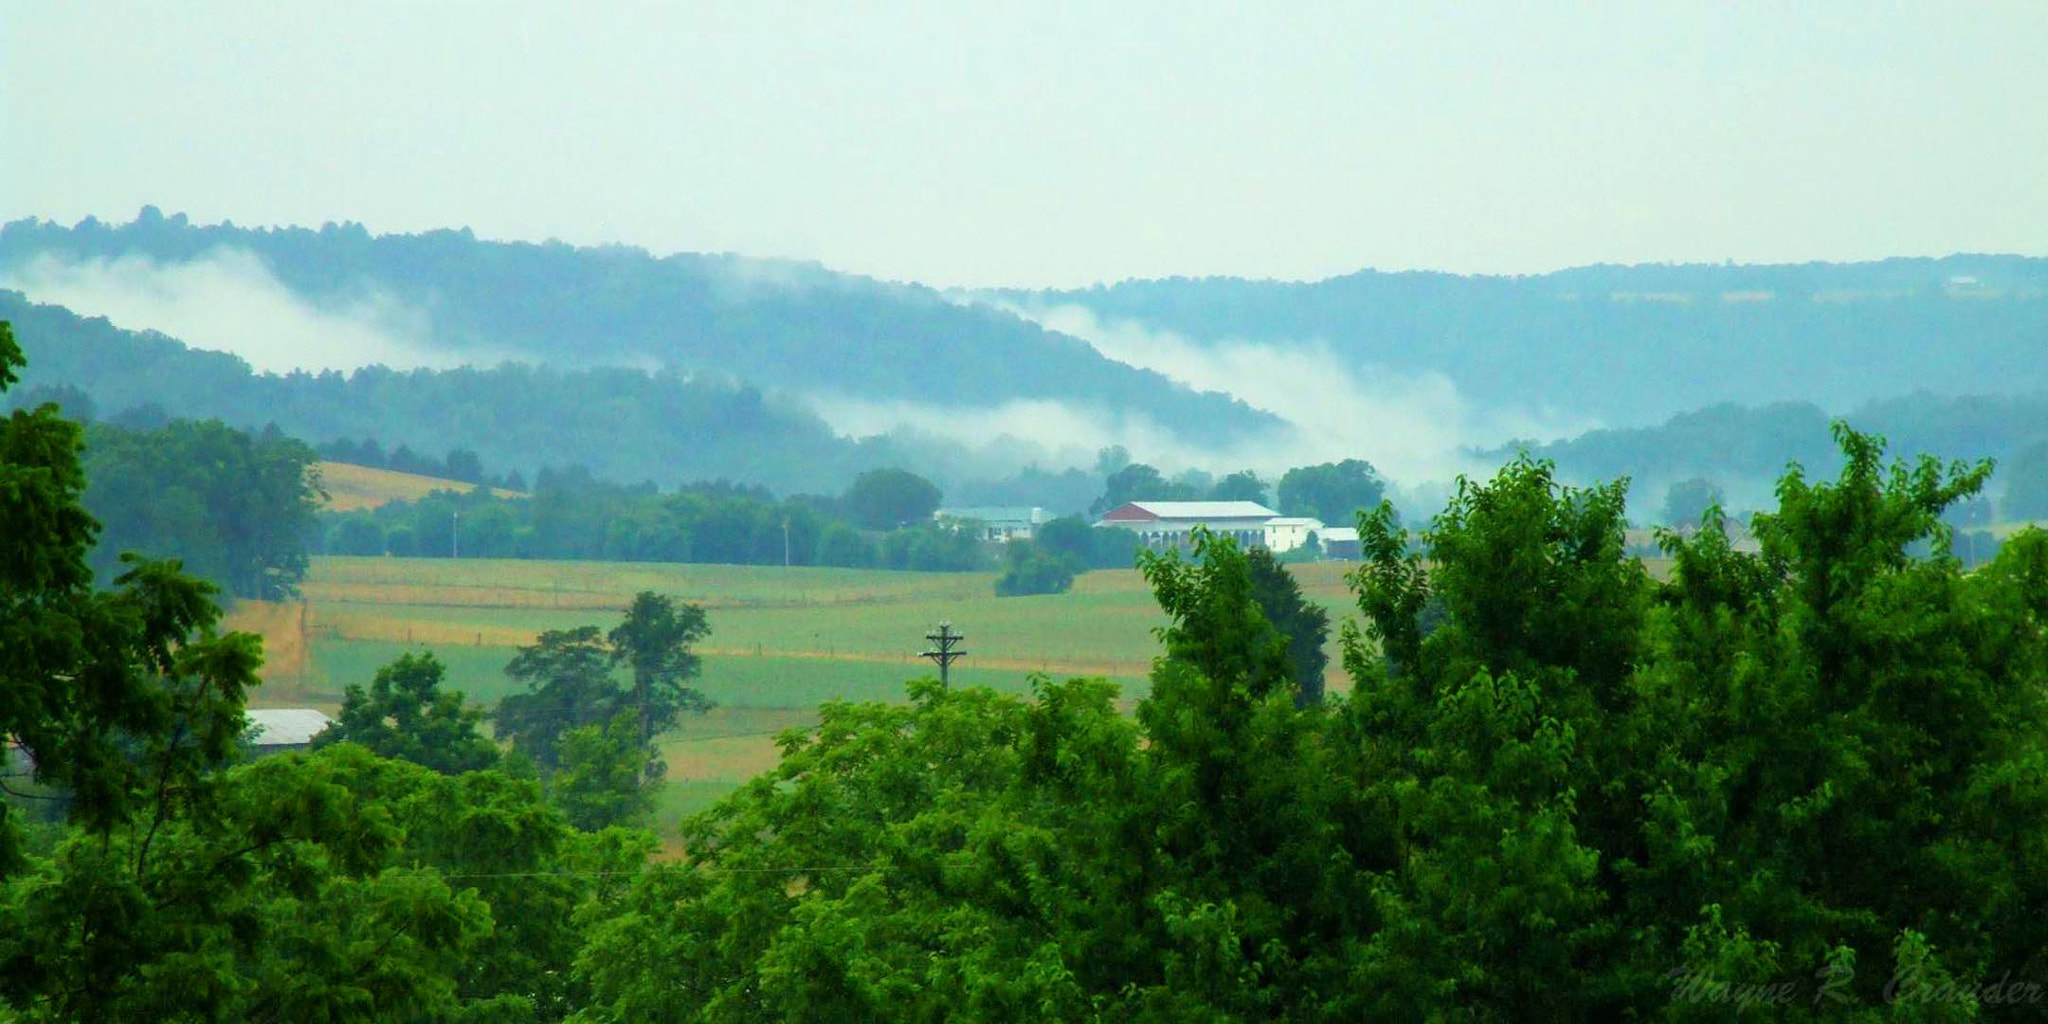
pixel 1052 433
pixel 1413 427
pixel 228 300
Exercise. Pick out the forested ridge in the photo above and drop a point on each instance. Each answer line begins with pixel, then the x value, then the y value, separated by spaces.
pixel 789 326
pixel 1745 447
pixel 1801 782
pixel 625 424
pixel 1633 345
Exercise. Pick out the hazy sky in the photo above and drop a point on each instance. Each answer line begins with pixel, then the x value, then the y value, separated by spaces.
pixel 1044 144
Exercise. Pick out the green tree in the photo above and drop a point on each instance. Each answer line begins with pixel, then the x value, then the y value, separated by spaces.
pixel 1088 547
pixel 1305 625
pixel 1831 713
pixel 1243 485
pixel 928 547
pixel 654 643
pixel 235 508
pixel 110 694
pixel 1686 501
pixel 1111 458
pixel 1334 492
pixel 1030 568
pixel 608 775
pixel 183 889
pixel 406 715
pixel 843 546
pixel 884 499
pixel 355 535
pixel 1137 482
pixel 569 683
pixel 1494 714
pixel 1558 789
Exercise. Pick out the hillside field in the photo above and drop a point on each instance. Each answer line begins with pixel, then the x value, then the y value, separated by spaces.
pixel 782 641
pixel 352 488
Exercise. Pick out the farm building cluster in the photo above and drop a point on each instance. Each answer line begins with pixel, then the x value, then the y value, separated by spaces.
pixel 1169 524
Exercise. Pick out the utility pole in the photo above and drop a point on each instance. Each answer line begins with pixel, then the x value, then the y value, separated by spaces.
pixel 455 536
pixel 785 542
pixel 944 653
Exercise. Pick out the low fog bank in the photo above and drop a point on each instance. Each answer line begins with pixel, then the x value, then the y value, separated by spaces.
pixel 1416 428
pixel 228 300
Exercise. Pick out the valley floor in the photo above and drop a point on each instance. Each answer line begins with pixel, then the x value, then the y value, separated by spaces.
pixel 783 641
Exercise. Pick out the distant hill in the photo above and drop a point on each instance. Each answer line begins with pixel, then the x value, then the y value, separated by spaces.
pixel 626 425
pixel 1631 346
pixel 1746 448
pixel 790 327
pixel 352 488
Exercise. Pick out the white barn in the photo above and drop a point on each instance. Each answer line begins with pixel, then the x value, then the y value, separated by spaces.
pixel 1166 524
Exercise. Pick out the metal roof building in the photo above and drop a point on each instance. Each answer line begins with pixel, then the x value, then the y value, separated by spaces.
pixel 1163 524
pixel 284 728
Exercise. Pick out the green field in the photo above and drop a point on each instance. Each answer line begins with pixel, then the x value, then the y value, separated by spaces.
pixel 782 641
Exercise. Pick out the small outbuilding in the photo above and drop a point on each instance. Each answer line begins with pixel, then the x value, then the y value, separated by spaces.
pixel 1340 542
pixel 997 523
pixel 272 730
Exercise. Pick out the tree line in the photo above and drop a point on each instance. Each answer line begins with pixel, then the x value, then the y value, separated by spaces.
pixel 235 507
pixel 882 520
pixel 460 464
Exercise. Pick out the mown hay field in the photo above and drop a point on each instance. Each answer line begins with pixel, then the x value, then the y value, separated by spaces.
pixel 783 641
pixel 352 488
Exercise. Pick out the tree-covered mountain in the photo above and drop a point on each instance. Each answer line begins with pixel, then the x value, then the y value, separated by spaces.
pixel 793 327
pixel 1744 448
pixel 1633 345
pixel 624 424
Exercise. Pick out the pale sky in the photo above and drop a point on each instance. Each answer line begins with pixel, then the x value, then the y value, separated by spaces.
pixel 1042 144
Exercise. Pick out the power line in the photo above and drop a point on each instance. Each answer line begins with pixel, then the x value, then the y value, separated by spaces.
pixel 944 653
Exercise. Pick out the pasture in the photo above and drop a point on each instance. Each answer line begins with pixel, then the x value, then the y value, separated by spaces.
pixel 783 641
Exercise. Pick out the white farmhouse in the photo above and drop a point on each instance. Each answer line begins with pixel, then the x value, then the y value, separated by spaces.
pixel 1286 533
pixel 998 522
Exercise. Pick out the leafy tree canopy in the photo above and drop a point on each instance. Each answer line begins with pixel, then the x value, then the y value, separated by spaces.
pixel 1686 501
pixel 1243 485
pixel 1334 492
pixel 884 499
pixel 1559 789
pixel 406 715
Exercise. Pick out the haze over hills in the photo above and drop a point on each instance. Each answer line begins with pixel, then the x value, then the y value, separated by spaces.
pixel 796 377
pixel 868 352
pixel 626 424
pixel 1620 346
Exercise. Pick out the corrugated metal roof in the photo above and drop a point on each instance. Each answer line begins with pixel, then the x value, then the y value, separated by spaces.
pixel 1206 509
pixel 1296 521
pixel 285 727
